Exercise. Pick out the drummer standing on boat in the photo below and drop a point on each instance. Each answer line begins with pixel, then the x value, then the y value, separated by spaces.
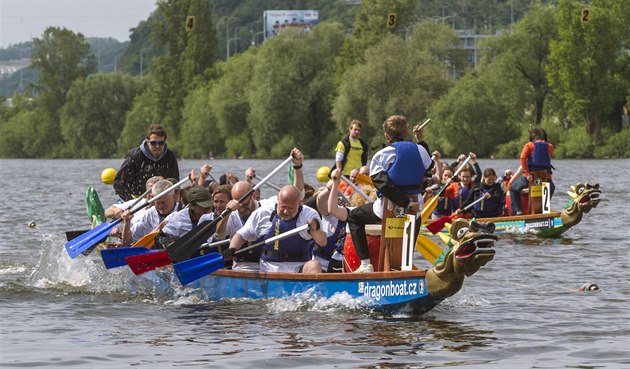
pixel 152 158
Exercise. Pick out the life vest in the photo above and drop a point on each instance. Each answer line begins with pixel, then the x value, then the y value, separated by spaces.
pixel 540 160
pixel 488 207
pixel 462 195
pixel 333 242
pixel 251 255
pixel 292 248
pixel 346 150
pixel 407 171
pixel 444 206
pixel 346 146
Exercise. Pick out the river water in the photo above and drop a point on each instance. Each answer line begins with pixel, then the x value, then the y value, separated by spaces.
pixel 522 310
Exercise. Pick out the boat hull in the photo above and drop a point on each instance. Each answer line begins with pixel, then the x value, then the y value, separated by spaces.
pixel 543 225
pixel 391 293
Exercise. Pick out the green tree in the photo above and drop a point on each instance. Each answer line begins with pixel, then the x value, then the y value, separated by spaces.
pixel 187 54
pixel 15 123
pixel 229 100
pixel 470 117
pixel 398 77
pixel 143 114
pixel 371 26
pixel 521 57
pixel 94 114
pixel 289 91
pixel 586 68
pixel 61 57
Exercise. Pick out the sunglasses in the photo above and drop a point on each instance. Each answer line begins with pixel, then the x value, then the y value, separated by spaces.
pixel 156 143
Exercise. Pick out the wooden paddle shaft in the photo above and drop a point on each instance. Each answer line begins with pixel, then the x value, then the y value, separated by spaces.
pixel 425 123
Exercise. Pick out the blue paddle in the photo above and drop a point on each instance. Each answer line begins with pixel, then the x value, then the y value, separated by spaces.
pixel 114 258
pixel 92 237
pixel 190 270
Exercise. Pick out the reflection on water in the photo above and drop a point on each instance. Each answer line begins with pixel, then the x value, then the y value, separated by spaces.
pixel 532 240
pixel 463 337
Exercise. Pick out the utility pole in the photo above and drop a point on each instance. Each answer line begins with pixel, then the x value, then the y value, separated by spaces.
pixel 511 14
pixel 116 62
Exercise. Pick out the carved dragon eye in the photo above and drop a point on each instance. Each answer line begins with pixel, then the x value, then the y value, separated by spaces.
pixel 461 232
pixel 580 190
pixel 490 227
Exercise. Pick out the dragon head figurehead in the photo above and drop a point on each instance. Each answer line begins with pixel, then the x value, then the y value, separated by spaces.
pixel 472 247
pixel 584 197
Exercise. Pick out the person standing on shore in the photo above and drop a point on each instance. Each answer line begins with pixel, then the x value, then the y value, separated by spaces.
pixel 151 158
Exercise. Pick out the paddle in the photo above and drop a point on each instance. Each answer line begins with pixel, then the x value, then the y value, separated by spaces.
pixel 148 240
pixel 212 247
pixel 429 249
pixel 356 188
pixel 193 269
pixel 269 184
pixel 364 179
pixel 92 237
pixel 74 234
pixel 184 247
pixel 438 224
pixel 430 205
pixel 425 123
pixel 70 235
pixel 143 263
pixel 115 257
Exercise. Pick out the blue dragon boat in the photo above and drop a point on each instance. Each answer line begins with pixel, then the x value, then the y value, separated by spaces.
pixel 410 293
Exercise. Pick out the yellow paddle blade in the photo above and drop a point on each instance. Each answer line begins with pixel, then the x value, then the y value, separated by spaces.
pixel 427 209
pixel 444 237
pixel 363 179
pixel 148 240
pixel 429 249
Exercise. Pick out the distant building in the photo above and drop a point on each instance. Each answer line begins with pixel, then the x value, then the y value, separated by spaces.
pixel 470 43
pixel 8 67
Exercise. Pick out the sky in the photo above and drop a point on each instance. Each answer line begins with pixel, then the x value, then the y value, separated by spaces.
pixel 22 20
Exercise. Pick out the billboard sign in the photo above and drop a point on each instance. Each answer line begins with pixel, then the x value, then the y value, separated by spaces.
pixel 277 21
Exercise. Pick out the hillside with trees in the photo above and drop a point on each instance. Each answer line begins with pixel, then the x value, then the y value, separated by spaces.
pixel 538 63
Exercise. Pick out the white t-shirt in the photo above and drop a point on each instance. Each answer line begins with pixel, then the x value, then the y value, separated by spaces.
pixel 148 220
pixel 178 224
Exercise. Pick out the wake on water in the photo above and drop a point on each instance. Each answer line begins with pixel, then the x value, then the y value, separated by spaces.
pixel 55 271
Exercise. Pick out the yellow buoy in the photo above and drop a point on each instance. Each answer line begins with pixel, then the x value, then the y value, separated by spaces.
pixel 108 175
pixel 322 174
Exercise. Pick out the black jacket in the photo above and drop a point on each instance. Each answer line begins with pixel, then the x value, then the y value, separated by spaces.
pixel 139 166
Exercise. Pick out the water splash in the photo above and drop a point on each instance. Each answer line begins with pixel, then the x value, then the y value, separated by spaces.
pixel 312 301
pixel 55 270
pixel 8 270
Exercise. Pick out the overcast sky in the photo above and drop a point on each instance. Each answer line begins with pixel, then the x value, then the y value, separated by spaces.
pixel 22 20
